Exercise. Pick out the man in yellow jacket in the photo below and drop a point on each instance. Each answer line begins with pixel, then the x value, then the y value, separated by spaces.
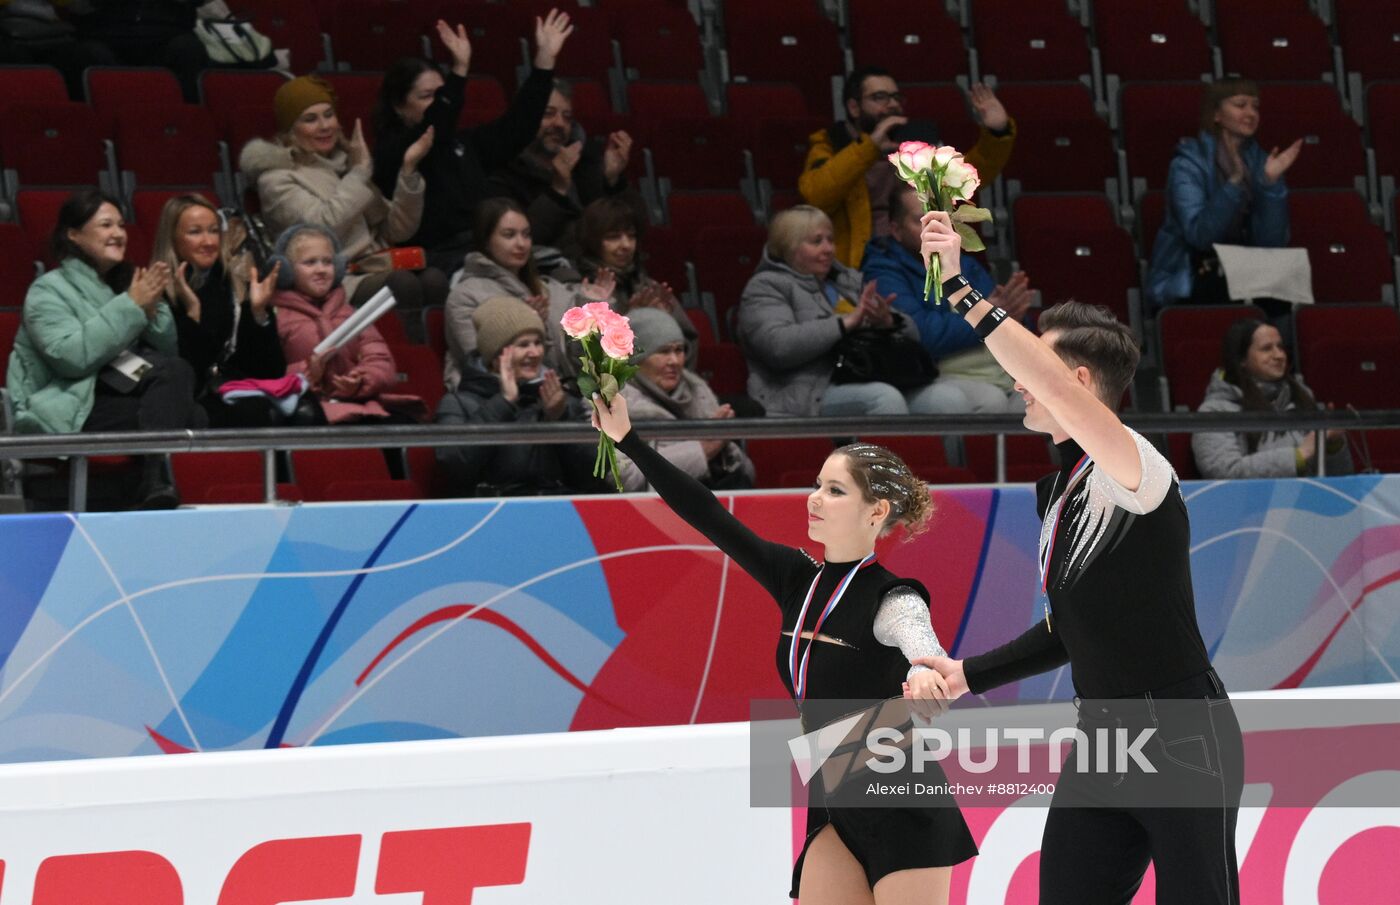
pixel 843 175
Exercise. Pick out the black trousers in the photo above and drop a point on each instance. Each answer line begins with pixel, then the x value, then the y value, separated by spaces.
pixel 162 400
pixel 1104 829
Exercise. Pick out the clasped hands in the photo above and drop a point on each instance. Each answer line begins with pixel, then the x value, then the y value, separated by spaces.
pixel 930 692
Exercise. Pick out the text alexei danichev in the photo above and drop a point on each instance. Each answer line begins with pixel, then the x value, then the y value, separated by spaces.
pixel 957 788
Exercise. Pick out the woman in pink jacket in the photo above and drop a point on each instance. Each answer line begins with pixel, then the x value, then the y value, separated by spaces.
pixel 354 382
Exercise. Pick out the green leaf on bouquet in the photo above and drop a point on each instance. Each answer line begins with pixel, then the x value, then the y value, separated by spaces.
pixel 970 240
pixel 587 386
pixel 971 213
pixel 607 385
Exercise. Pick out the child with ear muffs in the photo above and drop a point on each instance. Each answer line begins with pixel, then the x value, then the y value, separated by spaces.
pixel 353 383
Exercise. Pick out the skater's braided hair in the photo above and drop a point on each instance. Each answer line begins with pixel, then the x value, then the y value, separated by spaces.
pixel 882 475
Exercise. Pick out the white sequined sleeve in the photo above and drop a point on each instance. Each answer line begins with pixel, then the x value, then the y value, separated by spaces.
pixel 1157 478
pixel 902 621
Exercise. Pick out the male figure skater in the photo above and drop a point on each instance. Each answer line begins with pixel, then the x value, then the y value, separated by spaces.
pixel 1116 579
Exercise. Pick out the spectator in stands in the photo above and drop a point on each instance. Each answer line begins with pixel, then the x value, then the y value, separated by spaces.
pixel 794 312
pixel 416 99
pixel 665 390
pixel 31 33
pixel 97 348
pixel 969 378
pixel 1254 377
pixel 514 387
pixel 353 382
pixel 609 235
pixel 223 310
pixel 502 265
pixel 311 173
pixel 846 174
pixel 563 170
pixel 147 33
pixel 1221 187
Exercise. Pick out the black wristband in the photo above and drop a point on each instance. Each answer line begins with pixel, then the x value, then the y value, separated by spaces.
pixel 989 322
pixel 968 301
pixel 954 283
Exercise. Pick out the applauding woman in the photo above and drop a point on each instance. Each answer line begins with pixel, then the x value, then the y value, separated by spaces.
pixel 858 647
pixel 222 308
pixel 97 349
pixel 313 173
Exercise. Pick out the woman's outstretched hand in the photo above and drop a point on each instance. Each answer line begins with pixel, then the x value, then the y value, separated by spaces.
pixel 611 418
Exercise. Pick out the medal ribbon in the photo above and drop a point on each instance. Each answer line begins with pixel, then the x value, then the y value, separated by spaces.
pixel 1075 475
pixel 798 671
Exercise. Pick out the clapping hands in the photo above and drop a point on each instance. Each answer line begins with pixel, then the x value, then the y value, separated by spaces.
pixel 873 310
pixel 1278 161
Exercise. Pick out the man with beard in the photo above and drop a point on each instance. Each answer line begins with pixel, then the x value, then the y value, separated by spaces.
pixel 563 170
pixel 846 174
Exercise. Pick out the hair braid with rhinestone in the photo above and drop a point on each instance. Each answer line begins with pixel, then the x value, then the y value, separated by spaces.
pixel 882 475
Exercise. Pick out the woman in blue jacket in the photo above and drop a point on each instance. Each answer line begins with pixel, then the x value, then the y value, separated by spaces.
pixel 1222 187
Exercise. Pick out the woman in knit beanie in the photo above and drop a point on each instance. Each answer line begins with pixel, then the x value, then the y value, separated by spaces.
pixel 513 386
pixel 311 172
pixel 664 390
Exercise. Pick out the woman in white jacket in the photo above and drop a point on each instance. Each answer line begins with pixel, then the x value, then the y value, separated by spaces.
pixel 1253 377
pixel 312 173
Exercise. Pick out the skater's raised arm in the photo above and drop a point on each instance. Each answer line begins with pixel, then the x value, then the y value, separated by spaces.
pixel 1068 393
pixel 773 566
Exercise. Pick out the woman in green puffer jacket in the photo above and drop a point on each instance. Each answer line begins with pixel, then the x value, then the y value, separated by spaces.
pixel 97 350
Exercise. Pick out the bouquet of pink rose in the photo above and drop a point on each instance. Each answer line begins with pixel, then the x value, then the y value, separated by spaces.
pixel 944 181
pixel 607 345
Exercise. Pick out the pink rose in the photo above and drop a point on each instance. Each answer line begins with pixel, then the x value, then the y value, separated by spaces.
pixel 915 156
pixel 944 154
pixel 961 179
pixel 578 322
pixel 618 339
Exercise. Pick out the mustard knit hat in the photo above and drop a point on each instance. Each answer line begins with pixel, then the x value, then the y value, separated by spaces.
pixel 295 96
pixel 499 321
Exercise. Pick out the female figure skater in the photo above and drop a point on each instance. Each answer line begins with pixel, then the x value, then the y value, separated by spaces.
pixel 850 629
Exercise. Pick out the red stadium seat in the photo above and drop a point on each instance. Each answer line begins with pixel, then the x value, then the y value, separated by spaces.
pixel 1190 338
pixel 1027 457
pixel 692 211
pixel 373 34
pixel 590 101
pixel 317 469
pixel 647 100
pixel 1315 322
pixel 1151 42
pixel 1359 371
pixel 1349 254
pixel 1332 155
pixel 38 214
pixel 1097 266
pixel 496 31
pixel 1155 119
pixel 780 148
pixel 704 327
pixel 1019 41
pixel 1061 144
pixel 356 491
pixel 1369 35
pixel 659 42
pixel 787 46
pixel 170 144
pixel 725 259
pixel 724 368
pixel 31 85
pixel 1382 112
pixel 222 88
pixel 228 477
pixel 1050 212
pixel 699 152
pixel 53 144
pixel 760 101
pixel 589 51
pixel 883 34
pixel 113 89
pixel 782 463
pixel 665 251
pixel 294 26
pixel 1272 39
pixel 485 99
pixel 420 371
pixel 18 254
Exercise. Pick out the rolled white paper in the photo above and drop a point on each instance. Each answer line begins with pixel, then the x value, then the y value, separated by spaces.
pixel 354 325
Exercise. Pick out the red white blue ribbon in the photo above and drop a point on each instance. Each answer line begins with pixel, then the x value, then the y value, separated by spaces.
pixel 798 670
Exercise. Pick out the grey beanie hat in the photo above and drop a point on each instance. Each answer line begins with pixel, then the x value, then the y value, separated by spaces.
pixel 653 330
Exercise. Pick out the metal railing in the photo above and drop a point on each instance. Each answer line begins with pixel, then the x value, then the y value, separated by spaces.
pixel 268 441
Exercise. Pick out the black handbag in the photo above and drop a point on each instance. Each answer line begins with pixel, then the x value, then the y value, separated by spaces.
pixel 875 355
